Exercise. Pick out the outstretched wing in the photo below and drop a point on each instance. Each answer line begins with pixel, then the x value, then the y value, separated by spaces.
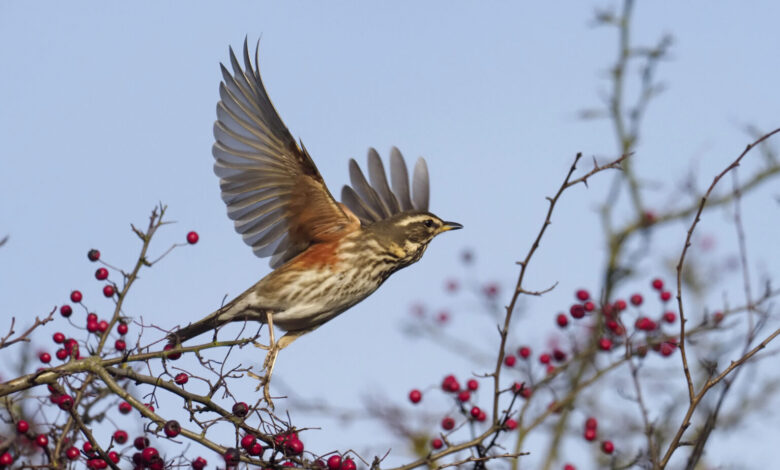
pixel 272 189
pixel 376 200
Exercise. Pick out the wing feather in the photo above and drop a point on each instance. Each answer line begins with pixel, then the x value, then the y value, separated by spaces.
pixel 273 191
pixel 376 201
pixel 420 189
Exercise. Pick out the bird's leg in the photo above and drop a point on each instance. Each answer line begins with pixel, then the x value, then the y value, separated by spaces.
pixel 273 352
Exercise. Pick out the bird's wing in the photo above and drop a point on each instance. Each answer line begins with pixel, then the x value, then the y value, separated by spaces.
pixel 272 189
pixel 376 200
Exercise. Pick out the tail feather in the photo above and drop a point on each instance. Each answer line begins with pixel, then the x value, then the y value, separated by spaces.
pixel 232 312
pixel 211 322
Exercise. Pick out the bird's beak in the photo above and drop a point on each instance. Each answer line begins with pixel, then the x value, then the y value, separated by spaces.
pixel 450 226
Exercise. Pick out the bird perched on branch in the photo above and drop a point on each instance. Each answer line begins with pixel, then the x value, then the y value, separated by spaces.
pixel 327 256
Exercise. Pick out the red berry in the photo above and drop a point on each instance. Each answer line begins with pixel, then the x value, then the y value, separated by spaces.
pixel 620 304
pixel 113 456
pixel 6 459
pixel 248 441
pixel 45 357
pixel 590 435
pixel 120 345
pixel 149 455
pixel 157 464
pixel 562 320
pixel 524 352
pixel 589 306
pixel 125 408
pixel 92 326
pixel 58 338
pixel 108 290
pixel 670 317
pixel 171 356
pixel 569 466
pixel 294 446
pixel 636 300
pixel 199 463
pixel 121 328
pixel 241 409
pixel 472 384
pixel 75 296
pixel 256 449
pixel 141 442
pixel 544 358
pixel 181 378
pixel 464 396
pixel 577 311
pixel 72 453
pixel 231 456
pixel 447 423
pixel 415 396
pixel 334 462
pixel 192 238
pixel 120 436
pixel 526 392
pixel 475 411
pixel 510 424
pixel 149 407
pixel 65 402
pixel 549 369
pixel 517 387
pixel 583 295
pixel 608 447
pixel 87 446
pixel 97 464
pixel 559 355
pixel 101 274
pixel 644 323
pixel 348 464
pixel 450 384
pixel 510 360
pixel 93 255
pixel 92 317
pixel 42 440
pixel 605 344
pixel 172 428
pixel 102 326
pixel 490 290
pixel 657 284
pixel 666 295
pixel 667 348
pixel 451 285
pixel 22 426
pixel 591 423
pixel 66 311
pixel 437 443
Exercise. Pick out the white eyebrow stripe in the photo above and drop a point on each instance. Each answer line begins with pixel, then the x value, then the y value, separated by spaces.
pixel 413 220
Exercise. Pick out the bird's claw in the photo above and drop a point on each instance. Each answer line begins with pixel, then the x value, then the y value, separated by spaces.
pixel 268 367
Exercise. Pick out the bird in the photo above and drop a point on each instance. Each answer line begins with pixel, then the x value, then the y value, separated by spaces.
pixel 326 256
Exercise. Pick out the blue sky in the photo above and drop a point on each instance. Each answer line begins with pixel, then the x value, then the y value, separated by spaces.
pixel 107 110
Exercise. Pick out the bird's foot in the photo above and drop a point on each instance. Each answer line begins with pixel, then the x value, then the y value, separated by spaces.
pixel 265 382
pixel 268 367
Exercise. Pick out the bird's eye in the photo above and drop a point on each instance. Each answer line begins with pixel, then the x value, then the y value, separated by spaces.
pixel 428 223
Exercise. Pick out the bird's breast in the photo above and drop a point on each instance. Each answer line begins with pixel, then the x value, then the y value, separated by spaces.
pixel 324 281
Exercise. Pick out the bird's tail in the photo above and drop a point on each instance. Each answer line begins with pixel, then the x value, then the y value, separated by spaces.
pixel 227 314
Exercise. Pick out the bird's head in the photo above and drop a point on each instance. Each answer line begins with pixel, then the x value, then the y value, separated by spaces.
pixel 406 235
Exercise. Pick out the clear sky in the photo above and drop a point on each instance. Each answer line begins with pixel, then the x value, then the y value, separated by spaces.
pixel 106 109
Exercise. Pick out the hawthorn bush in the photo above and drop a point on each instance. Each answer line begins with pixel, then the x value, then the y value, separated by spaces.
pixel 91 396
